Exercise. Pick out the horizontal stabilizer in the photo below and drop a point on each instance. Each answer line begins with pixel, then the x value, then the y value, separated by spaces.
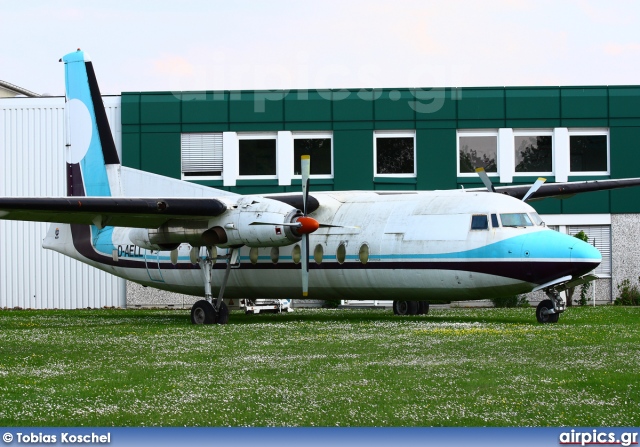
pixel 136 183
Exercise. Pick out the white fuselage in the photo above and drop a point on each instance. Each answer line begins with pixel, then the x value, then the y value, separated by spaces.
pixel 387 245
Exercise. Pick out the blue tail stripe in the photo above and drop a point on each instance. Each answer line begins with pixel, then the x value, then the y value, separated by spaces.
pixel 94 173
pixel 81 85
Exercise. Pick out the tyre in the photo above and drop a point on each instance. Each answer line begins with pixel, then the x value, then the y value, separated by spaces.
pixel 541 314
pixel 423 307
pixel 223 314
pixel 407 307
pixel 202 312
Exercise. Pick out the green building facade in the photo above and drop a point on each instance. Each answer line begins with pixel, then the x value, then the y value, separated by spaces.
pixel 403 139
pixel 153 122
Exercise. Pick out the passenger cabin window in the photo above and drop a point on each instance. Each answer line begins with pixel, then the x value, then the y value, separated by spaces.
pixel 494 221
pixel 479 222
pixel 516 220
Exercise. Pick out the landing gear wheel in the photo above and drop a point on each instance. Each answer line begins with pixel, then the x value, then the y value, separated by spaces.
pixel 405 307
pixel 423 307
pixel 223 314
pixel 203 312
pixel 541 312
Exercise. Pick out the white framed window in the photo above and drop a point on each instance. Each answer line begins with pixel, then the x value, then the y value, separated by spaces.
pixel 257 155
pixel 394 153
pixel 201 155
pixel 319 145
pixel 477 149
pixel 533 152
pixel 589 152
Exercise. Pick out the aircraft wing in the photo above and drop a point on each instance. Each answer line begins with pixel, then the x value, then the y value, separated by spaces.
pixel 109 211
pixel 562 190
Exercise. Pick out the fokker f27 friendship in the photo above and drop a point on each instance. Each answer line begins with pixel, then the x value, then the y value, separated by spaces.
pixel 409 246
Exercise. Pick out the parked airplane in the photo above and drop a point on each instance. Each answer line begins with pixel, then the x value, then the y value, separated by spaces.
pixel 407 246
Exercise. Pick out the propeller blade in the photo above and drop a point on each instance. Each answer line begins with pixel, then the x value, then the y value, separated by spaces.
pixel 305 264
pixel 304 224
pixel 279 224
pixel 485 179
pixel 308 224
pixel 534 188
pixel 305 169
pixel 338 226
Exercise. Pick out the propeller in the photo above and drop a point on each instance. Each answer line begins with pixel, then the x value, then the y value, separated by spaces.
pixel 485 179
pixel 534 188
pixel 305 168
pixel 487 182
pixel 304 225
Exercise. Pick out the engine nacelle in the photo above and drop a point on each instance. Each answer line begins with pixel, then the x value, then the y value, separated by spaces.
pixel 251 221
pixel 262 229
pixel 259 222
pixel 170 235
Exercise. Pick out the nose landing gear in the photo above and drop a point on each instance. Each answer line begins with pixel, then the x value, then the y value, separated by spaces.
pixel 548 311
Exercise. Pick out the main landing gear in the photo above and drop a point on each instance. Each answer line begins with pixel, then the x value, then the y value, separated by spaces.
pixel 208 311
pixel 410 307
pixel 548 311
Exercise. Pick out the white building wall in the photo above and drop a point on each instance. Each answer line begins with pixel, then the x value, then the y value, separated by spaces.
pixel 32 164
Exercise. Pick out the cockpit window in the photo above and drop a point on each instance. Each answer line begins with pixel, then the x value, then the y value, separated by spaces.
pixel 536 219
pixel 479 222
pixel 494 221
pixel 516 220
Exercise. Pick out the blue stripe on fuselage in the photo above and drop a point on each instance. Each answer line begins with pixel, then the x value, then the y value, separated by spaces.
pixel 545 244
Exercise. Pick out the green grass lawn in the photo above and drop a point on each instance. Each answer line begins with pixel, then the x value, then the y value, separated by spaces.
pixel 458 367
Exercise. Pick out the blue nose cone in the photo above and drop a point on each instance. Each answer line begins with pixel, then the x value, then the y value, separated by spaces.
pixel 554 255
pixel 584 258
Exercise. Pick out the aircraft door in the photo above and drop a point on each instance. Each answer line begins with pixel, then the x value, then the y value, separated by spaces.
pixel 152 262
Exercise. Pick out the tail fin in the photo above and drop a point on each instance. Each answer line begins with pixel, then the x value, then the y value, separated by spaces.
pixel 90 147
